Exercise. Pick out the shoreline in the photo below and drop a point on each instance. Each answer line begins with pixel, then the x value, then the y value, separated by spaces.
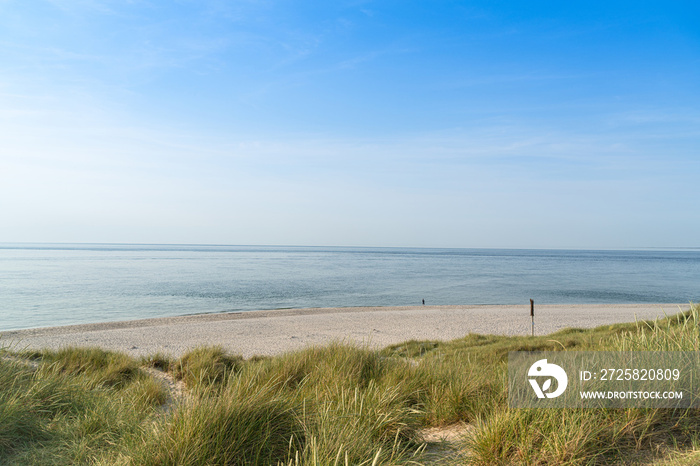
pixel 271 332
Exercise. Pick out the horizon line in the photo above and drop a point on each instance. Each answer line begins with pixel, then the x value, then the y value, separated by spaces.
pixel 630 248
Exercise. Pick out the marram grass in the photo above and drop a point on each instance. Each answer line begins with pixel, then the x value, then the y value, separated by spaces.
pixel 333 405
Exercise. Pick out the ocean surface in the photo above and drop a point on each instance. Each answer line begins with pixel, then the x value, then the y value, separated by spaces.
pixel 60 284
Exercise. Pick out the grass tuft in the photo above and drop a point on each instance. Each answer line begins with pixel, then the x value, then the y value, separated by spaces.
pixel 157 361
pixel 207 365
pixel 242 425
pixel 107 368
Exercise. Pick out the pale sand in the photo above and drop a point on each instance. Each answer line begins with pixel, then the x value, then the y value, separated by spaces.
pixel 279 331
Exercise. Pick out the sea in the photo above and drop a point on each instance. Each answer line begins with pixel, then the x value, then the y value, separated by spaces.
pixel 60 284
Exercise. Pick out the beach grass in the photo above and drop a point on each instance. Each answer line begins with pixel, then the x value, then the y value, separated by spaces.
pixel 333 405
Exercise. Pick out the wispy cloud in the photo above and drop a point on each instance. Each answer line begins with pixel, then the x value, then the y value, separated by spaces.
pixel 517 76
pixel 79 7
pixel 243 116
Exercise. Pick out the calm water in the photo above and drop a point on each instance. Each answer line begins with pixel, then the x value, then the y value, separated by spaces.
pixel 45 285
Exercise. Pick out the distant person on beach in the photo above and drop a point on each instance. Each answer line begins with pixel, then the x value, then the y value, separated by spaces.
pixel 424 302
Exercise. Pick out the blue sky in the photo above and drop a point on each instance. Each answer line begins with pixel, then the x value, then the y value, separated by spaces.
pixel 390 123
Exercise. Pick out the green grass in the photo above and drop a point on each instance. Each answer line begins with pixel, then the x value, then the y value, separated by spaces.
pixel 75 407
pixel 331 405
pixel 205 366
pixel 243 423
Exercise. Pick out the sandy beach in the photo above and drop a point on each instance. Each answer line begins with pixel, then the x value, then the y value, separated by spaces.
pixel 279 331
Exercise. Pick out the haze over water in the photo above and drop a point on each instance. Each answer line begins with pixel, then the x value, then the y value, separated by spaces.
pixel 61 284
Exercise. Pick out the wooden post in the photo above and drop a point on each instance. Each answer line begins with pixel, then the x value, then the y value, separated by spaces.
pixel 532 316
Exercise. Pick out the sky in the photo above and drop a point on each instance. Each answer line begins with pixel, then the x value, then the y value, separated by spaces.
pixel 504 124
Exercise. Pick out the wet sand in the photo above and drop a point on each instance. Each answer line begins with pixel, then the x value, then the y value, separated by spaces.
pixel 279 331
